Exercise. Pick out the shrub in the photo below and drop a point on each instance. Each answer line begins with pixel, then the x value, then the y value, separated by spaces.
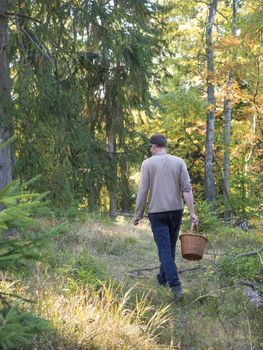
pixel 208 219
pixel 231 269
pixel 16 326
pixel 85 270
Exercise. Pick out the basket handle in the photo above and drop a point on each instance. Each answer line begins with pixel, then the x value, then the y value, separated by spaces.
pixel 194 228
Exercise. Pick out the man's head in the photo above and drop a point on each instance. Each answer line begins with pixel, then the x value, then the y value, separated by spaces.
pixel 158 143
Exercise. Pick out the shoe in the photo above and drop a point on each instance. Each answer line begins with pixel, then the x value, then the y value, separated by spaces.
pixel 160 282
pixel 159 285
pixel 178 293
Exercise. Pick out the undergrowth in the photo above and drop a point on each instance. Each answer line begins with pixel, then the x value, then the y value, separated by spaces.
pixel 92 294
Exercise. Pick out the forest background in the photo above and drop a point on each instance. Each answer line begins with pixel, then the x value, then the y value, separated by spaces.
pixel 83 84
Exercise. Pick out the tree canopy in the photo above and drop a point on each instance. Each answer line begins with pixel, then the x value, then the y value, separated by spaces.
pixel 89 81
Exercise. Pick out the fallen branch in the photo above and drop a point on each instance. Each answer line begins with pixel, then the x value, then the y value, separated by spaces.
pixel 213 294
pixel 254 252
pixel 216 254
pixel 191 269
pixel 139 271
pixel 210 294
pixel 241 255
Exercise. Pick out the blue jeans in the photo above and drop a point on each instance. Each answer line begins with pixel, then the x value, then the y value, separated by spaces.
pixel 165 227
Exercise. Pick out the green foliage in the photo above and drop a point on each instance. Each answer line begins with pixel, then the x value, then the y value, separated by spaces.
pixel 73 92
pixel 15 253
pixel 114 245
pixel 19 204
pixel 243 199
pixel 231 269
pixel 182 113
pixel 208 220
pixel 8 142
pixel 85 270
pixel 89 271
pixel 17 328
pixel 120 246
pixel 76 96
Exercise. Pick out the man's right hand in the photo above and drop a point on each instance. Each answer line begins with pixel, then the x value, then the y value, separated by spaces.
pixel 194 218
pixel 189 199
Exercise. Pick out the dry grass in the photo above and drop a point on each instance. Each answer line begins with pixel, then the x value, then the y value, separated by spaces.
pixel 223 320
pixel 108 318
pixel 121 246
pixel 102 320
pixel 87 318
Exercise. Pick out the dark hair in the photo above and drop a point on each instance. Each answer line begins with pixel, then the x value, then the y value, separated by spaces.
pixel 158 140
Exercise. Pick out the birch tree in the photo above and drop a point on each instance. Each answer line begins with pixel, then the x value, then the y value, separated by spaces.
pixel 210 125
pixel 228 117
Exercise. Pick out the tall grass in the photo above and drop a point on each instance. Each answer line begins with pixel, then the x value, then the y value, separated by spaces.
pixel 103 319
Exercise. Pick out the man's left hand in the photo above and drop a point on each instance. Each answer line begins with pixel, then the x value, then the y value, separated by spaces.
pixel 135 221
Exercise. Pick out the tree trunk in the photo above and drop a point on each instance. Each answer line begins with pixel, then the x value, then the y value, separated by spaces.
pixel 209 176
pixel 93 197
pixel 5 155
pixel 91 181
pixel 228 117
pixel 226 174
pixel 110 113
pixel 112 184
pixel 227 131
pixel 125 193
pixel 110 116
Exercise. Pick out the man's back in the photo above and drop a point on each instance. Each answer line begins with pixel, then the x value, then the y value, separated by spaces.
pixel 165 177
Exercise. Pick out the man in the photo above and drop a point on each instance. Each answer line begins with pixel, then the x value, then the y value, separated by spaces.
pixel 166 179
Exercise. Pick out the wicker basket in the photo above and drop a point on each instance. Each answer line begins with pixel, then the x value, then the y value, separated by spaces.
pixel 192 245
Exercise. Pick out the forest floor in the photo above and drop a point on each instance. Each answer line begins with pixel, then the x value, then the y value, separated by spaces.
pixel 215 314
pixel 126 310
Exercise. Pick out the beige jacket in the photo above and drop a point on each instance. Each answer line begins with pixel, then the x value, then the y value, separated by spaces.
pixel 164 177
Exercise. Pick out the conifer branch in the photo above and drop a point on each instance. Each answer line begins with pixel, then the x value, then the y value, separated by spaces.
pixel 15 14
pixel 16 296
pixel 38 45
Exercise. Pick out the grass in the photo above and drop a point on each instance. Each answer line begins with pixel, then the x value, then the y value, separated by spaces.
pixel 94 290
pixel 89 319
